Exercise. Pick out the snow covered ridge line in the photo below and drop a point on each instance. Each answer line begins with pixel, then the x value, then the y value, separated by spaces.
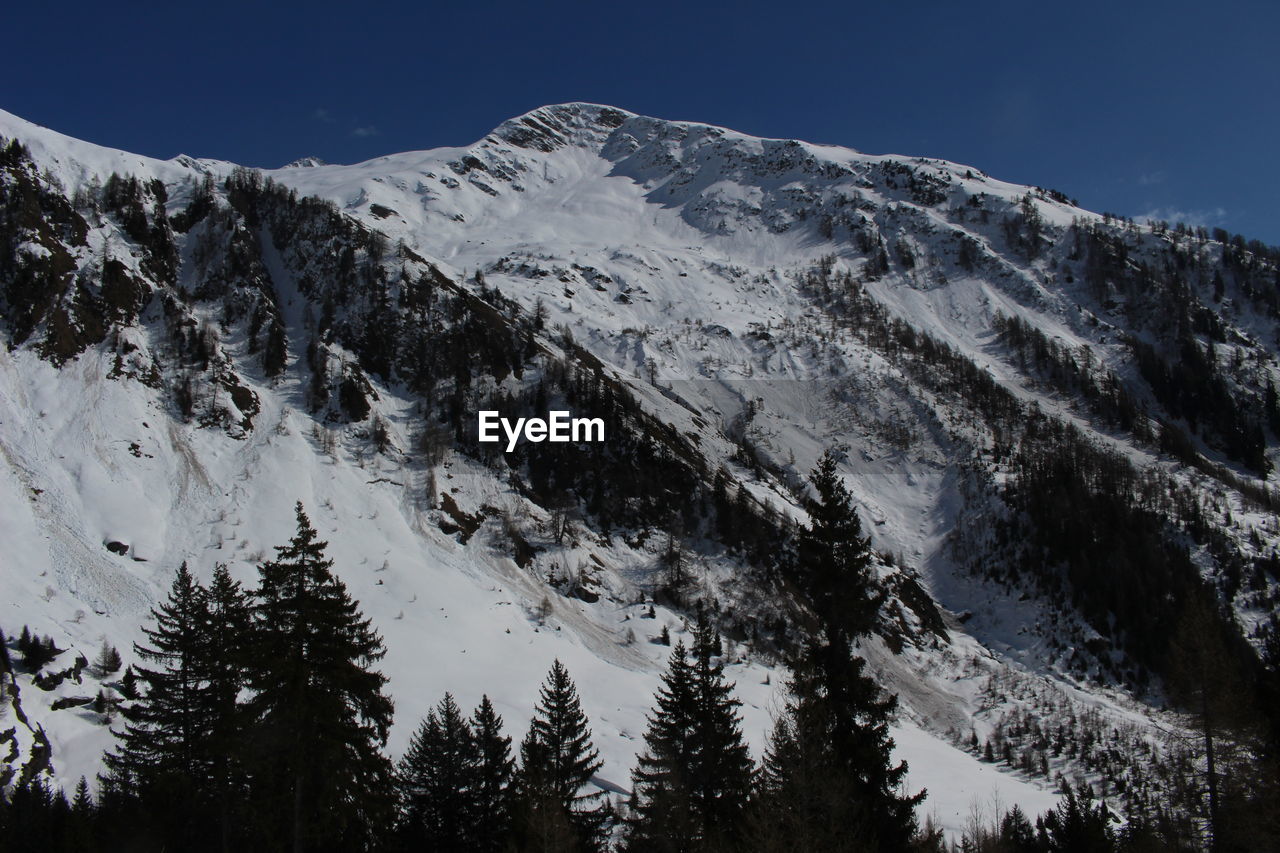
pixel 558 426
pixel 733 308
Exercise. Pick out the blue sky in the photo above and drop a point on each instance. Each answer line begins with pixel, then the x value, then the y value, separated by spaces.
pixel 1131 107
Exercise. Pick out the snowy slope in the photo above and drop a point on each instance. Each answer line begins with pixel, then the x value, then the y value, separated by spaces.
pixel 669 245
pixel 457 618
pixel 671 251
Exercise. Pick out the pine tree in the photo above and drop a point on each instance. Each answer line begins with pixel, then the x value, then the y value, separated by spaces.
pixel 492 791
pixel 720 776
pixel 108 660
pixel 660 816
pixel 557 762
pixel 828 780
pixel 162 759
pixel 320 716
pixel 1076 826
pixel 835 558
pixel 275 353
pixel 78 833
pixel 693 779
pixel 83 802
pixel 437 779
pixel 28 812
pixel 183 735
pixel 221 667
pixel 170 769
pixel 674 560
pixel 129 684
pixel 1017 835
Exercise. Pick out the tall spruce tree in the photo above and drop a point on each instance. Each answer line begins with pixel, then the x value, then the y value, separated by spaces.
pixel 557 762
pixel 221 666
pixel 175 766
pixel 720 775
pixel 492 791
pixel 321 718
pixel 162 760
pixel 828 781
pixel 660 818
pixel 835 559
pixel 437 779
pixel 693 780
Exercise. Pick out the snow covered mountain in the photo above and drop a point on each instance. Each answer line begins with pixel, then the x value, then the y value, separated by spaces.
pixel 1057 424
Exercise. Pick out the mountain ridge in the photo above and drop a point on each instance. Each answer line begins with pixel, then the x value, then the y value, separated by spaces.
pixel 762 299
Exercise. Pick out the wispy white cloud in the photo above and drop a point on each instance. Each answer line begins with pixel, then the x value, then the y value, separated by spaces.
pixel 321 114
pixel 1206 218
pixel 367 130
pixel 1152 178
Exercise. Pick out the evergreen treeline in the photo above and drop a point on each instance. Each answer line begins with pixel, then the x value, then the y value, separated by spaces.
pixel 260 721
pixel 1079 824
pixel 34 284
pixel 1074 372
pixel 1167 287
pixel 260 724
pixel 257 723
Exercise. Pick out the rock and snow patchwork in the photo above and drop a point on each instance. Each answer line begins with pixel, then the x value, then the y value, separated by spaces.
pixel 675 254
pixel 459 618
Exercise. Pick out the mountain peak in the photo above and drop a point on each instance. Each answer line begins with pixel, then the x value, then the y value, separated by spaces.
pixel 559 125
pixel 305 163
